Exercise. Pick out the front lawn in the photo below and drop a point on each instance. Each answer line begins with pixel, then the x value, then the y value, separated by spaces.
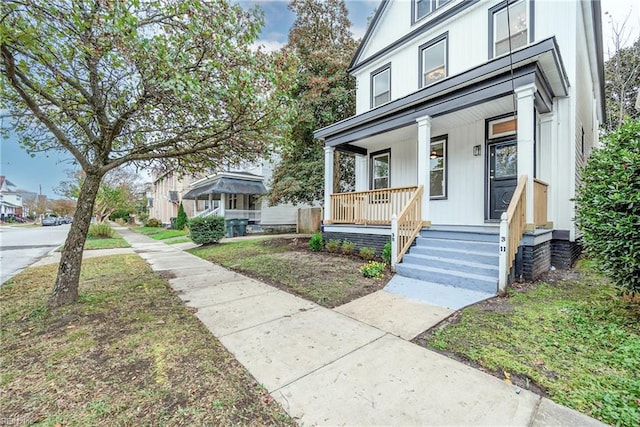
pixel 128 353
pixel 159 233
pixel 326 279
pixel 572 338
pixel 108 243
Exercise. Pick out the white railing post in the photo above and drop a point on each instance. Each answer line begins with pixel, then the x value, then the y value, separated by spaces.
pixel 503 263
pixel 394 241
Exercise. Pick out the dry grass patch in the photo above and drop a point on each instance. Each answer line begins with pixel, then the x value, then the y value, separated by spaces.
pixel 128 353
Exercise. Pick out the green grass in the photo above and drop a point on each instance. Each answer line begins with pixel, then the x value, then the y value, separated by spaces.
pixel 97 243
pixel 128 353
pixel 326 279
pixel 578 339
pixel 176 241
pixel 148 230
pixel 168 234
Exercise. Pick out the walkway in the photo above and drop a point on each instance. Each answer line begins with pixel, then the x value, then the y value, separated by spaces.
pixel 327 368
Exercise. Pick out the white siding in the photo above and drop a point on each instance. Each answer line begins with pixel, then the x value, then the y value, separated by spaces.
pixel 278 215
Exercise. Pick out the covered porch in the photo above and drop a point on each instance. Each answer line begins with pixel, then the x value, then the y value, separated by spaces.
pixel 228 194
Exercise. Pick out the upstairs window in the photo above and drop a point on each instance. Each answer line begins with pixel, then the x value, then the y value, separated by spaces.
pixel 381 86
pixel 433 61
pixel 424 7
pixel 509 27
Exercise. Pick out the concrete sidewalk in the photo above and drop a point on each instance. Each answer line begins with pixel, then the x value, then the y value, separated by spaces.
pixel 344 366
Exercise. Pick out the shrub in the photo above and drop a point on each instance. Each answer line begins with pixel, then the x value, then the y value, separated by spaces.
pixel 316 242
pixel 120 221
pixel 100 230
pixel 367 253
pixel 207 229
pixel 386 253
pixel 333 246
pixel 608 206
pixel 181 219
pixel 373 269
pixel 153 222
pixel 348 247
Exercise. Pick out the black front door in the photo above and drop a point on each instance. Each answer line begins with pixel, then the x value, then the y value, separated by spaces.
pixel 503 176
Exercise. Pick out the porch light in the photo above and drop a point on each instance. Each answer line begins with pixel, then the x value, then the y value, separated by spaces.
pixel 476 150
pixel 434 155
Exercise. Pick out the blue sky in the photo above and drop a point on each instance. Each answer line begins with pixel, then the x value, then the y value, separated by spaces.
pixel 47 170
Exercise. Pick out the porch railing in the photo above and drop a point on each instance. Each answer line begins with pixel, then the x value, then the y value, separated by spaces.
pixel 251 215
pixel 207 212
pixel 369 207
pixel 406 226
pixel 512 226
pixel 540 189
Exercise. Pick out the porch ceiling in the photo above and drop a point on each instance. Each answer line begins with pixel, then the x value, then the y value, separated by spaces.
pixel 440 124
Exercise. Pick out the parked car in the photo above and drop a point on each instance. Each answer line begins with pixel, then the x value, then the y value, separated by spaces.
pixel 50 220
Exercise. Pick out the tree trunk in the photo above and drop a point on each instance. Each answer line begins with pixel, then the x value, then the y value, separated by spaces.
pixel 66 287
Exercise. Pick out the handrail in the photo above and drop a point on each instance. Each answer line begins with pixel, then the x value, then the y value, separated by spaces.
pixel 512 227
pixel 369 207
pixel 406 226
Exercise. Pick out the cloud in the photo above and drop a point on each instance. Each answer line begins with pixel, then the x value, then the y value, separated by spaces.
pixel 358 31
pixel 267 45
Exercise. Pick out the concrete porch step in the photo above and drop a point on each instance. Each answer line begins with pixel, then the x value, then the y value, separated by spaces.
pixel 461 279
pixel 484 269
pixel 485 257
pixel 459 244
pixel 481 235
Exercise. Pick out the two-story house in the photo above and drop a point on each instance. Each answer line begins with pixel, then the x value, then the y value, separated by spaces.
pixel 473 118
pixel 10 200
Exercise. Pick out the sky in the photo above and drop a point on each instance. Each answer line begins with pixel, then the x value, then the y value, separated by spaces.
pixel 44 172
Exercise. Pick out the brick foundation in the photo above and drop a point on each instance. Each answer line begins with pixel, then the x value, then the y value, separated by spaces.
pixel 532 261
pixel 564 253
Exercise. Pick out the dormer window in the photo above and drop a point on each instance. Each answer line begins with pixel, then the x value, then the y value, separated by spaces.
pixel 381 86
pixel 423 8
pixel 509 27
pixel 433 61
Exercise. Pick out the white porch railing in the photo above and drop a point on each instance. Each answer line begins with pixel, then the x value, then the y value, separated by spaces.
pixel 207 212
pixel 251 215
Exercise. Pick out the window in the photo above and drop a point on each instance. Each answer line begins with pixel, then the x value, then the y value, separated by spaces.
pixel 381 86
pixel 424 7
pixel 433 61
pixel 509 28
pixel 232 201
pixel 380 170
pixel 438 171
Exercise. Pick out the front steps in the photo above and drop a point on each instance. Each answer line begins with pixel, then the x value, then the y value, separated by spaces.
pixel 458 258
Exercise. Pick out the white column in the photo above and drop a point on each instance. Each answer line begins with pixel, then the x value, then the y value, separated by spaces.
pixel 526 133
pixel 362 173
pixel 424 163
pixel 328 181
pixel 223 204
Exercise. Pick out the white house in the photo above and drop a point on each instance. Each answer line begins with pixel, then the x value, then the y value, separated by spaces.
pixel 237 193
pixel 469 112
pixel 10 200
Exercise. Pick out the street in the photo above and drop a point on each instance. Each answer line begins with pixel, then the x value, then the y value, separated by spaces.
pixel 22 246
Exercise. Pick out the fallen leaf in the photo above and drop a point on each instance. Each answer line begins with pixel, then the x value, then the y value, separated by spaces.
pixel 539 362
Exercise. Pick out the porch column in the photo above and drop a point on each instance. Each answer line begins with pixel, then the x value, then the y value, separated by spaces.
pixel 223 204
pixel 526 134
pixel 362 173
pixel 424 163
pixel 328 182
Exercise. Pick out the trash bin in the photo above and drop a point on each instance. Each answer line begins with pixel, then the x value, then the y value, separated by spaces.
pixel 172 220
pixel 233 227
pixel 242 227
pixel 228 228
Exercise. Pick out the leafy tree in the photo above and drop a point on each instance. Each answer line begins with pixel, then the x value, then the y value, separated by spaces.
pixel 324 93
pixel 181 219
pixel 608 206
pixel 62 207
pixel 121 82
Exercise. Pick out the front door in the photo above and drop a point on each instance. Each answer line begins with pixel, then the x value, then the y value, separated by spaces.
pixel 503 176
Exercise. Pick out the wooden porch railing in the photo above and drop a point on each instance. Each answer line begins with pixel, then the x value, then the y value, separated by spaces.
pixel 512 225
pixel 369 207
pixel 406 226
pixel 540 189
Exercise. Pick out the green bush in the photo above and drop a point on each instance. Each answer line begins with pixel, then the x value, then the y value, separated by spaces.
pixel 316 242
pixel 153 222
pixel 333 246
pixel 367 253
pixel 348 247
pixel 181 219
pixel 373 269
pixel 608 206
pixel 100 231
pixel 386 253
pixel 207 229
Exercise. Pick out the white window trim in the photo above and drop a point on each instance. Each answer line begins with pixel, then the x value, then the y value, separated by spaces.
pixel 377 74
pixel 444 38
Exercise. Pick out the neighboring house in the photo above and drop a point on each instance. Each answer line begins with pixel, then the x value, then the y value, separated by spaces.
pixel 231 194
pixel 466 110
pixel 10 200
